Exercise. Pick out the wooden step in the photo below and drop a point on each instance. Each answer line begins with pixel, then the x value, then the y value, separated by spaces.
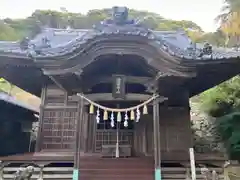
pixel 111 169
pixel 117 169
pixel 116 164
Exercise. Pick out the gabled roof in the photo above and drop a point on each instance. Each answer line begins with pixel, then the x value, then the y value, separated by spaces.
pixel 165 51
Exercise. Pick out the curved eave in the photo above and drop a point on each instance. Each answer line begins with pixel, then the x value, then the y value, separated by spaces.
pixel 78 53
pixel 22 73
pixel 79 56
pixel 212 73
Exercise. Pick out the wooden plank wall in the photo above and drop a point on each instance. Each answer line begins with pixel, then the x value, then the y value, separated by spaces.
pixel 59 120
pixel 175 127
pixel 175 132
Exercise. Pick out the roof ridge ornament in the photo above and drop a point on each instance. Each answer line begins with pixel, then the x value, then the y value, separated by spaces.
pixel 119 17
pixel 120 24
pixel 206 50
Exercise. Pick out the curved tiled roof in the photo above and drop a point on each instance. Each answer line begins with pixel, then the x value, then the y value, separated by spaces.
pixel 63 41
pixel 55 43
pixel 170 52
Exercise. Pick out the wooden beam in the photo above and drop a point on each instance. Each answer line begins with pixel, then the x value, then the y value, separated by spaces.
pixel 53 71
pixel 108 79
pixel 108 97
pixel 152 85
pixel 53 107
pixel 57 83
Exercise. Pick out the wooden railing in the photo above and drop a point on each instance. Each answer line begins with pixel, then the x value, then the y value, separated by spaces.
pixel 60 173
pixel 185 174
pixel 65 173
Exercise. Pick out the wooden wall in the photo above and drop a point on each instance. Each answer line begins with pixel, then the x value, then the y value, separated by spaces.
pixel 58 122
pixel 175 128
pixel 175 132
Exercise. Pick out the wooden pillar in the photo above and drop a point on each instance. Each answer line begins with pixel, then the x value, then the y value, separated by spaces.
pixel 156 136
pixel 77 149
pixel 40 125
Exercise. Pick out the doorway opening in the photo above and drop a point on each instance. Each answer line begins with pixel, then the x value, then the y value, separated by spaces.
pixel 115 135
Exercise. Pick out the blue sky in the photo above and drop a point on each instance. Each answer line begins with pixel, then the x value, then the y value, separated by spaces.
pixel 202 12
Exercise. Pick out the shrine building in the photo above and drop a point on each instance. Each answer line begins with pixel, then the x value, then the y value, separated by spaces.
pixel 115 98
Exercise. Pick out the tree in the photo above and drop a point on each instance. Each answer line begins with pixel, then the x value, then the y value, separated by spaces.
pixel 229 21
pixel 7 32
pixel 17 28
pixel 228 128
pixel 223 99
pixel 223 103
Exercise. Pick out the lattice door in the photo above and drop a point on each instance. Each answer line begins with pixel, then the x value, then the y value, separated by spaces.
pixel 58 129
pixel 107 135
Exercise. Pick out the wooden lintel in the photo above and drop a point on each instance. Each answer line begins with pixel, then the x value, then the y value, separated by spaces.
pixel 107 79
pixel 52 107
pixel 76 70
pixel 108 97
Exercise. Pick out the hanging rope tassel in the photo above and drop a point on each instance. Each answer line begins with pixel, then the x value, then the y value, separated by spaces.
pixel 91 109
pixel 125 120
pixel 112 120
pixel 138 114
pixel 119 117
pixel 98 116
pixel 132 116
pixel 145 110
pixel 105 115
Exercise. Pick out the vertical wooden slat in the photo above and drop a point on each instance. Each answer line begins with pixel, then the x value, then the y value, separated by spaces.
pixel 62 119
pixel 78 133
pixel 89 134
pixel 94 124
pixel 156 133
pixel 76 171
pixel 40 126
pixel 81 114
pixel 82 130
pixel 86 130
pixel 144 140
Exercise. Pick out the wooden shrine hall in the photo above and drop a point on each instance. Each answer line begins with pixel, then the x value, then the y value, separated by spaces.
pixel 115 98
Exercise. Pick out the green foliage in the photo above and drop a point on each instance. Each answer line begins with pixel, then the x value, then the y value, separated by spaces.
pixel 216 38
pixel 223 103
pixel 13 29
pixel 222 99
pixel 229 21
pixel 7 32
pixel 61 19
pixel 5 86
pixel 228 128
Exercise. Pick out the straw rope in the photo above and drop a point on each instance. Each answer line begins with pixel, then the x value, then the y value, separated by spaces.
pixel 115 109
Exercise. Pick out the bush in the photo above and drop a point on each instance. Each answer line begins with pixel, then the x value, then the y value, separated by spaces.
pixel 228 129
